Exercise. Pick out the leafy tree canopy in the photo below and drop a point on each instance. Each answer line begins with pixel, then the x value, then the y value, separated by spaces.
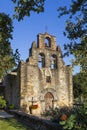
pixel 24 7
pixel 76 27
pixel 80 86
pixel 76 31
pixel 7 58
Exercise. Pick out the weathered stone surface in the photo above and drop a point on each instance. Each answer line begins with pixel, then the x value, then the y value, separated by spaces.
pixel 36 123
pixel 43 79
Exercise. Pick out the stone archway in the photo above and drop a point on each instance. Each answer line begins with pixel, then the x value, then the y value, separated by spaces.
pixel 49 98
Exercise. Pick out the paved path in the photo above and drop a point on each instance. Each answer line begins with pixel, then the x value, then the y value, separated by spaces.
pixel 4 114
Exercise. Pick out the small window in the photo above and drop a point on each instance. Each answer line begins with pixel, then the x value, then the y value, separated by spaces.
pixel 53 64
pixel 48 79
pixel 41 60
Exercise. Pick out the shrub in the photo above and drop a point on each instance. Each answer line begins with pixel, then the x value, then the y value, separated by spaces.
pixel 76 120
pixel 2 102
pixel 11 106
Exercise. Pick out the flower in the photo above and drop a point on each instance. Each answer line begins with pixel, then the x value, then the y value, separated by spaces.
pixel 63 117
pixel 34 106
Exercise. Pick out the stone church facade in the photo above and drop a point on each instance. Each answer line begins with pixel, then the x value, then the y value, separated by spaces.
pixel 43 80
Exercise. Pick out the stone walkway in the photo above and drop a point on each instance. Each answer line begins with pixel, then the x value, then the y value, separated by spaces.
pixel 4 114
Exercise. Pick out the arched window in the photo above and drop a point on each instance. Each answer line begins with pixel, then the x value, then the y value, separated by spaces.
pixel 53 64
pixel 41 60
pixel 47 42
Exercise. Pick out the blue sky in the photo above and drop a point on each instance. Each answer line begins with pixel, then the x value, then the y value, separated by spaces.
pixel 25 31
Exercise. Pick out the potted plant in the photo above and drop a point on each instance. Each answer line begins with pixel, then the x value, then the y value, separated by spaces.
pixel 33 107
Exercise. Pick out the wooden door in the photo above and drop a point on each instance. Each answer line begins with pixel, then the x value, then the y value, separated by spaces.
pixel 48 101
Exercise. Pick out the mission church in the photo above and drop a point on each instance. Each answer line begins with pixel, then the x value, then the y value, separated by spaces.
pixel 43 80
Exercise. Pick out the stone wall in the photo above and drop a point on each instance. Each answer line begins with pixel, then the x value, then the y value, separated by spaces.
pixel 12 89
pixel 42 80
pixel 33 82
pixel 36 123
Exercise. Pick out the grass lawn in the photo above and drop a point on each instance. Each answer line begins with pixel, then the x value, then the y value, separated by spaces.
pixel 12 124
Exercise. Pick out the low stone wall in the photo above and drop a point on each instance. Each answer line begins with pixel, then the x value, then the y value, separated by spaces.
pixel 34 122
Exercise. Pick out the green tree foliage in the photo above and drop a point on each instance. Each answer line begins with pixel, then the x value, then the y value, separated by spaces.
pixel 76 25
pixel 76 120
pixel 24 7
pixel 2 102
pixel 76 31
pixel 80 86
pixel 7 58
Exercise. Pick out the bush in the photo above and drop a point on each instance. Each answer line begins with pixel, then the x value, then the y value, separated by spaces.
pixel 11 106
pixel 76 120
pixel 2 102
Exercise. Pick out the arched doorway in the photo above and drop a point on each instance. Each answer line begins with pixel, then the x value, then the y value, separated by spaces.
pixel 49 98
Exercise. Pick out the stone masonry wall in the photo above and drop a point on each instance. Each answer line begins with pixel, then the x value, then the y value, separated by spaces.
pixel 43 80
pixel 33 79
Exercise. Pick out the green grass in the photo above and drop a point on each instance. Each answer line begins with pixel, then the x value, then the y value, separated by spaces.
pixel 12 124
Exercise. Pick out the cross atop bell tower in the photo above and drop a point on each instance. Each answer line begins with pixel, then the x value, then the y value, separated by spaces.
pixel 46 28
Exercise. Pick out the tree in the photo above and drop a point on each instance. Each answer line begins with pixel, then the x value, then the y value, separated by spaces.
pixel 24 7
pixel 80 86
pixel 76 31
pixel 76 25
pixel 7 58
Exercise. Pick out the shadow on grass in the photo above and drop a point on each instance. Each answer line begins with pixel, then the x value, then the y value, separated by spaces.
pixel 12 122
